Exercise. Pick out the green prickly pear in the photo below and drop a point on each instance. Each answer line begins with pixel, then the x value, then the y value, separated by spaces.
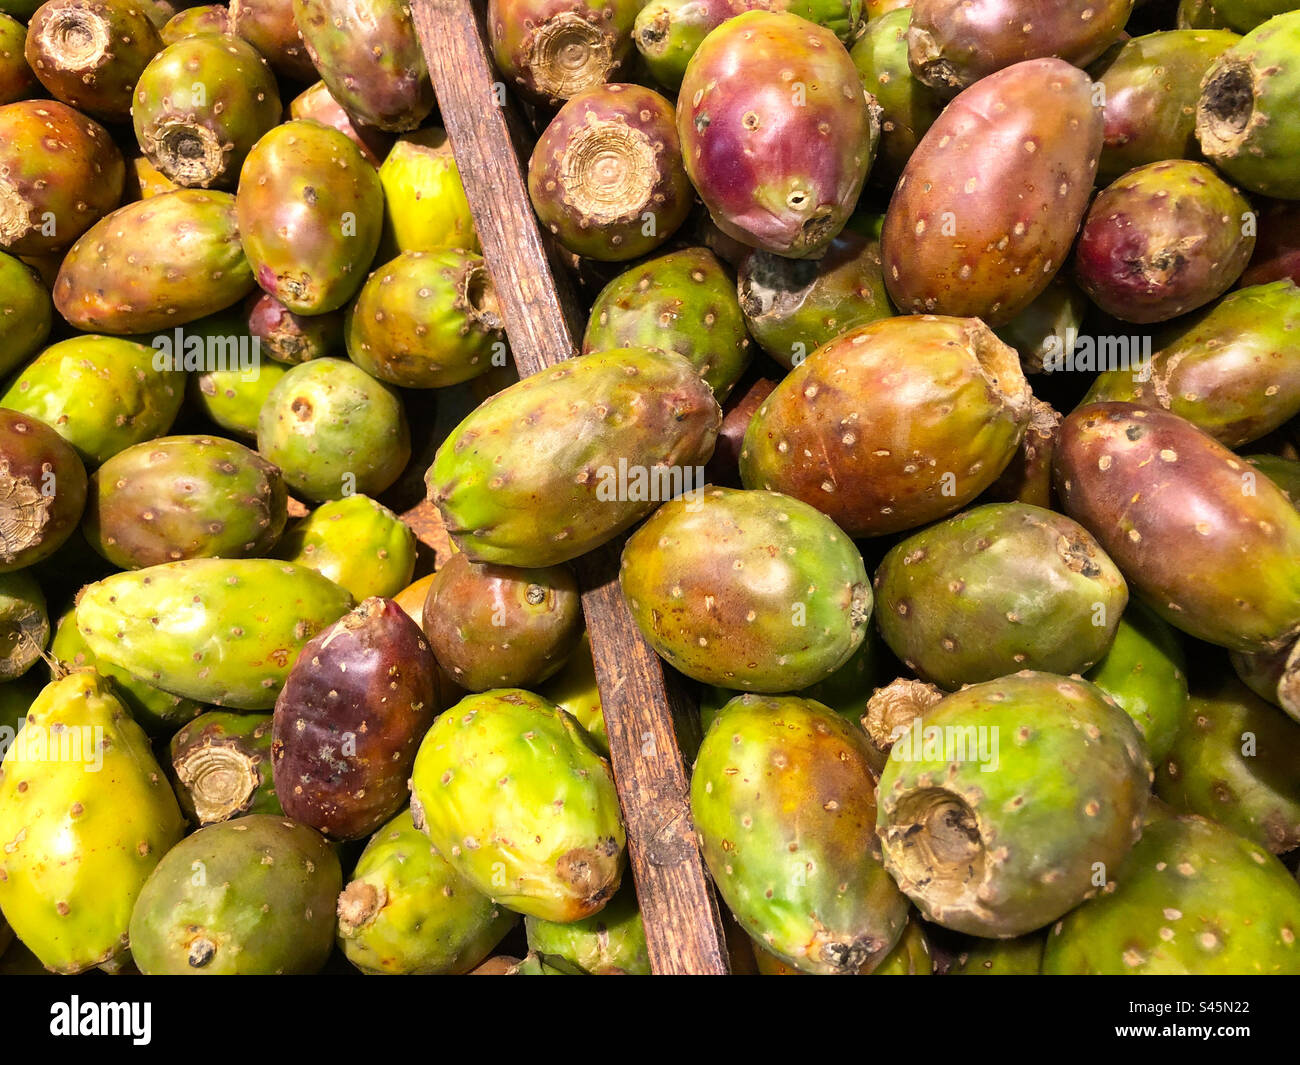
pixel 223 631
pixel 206 20
pixel 407 912
pixel 509 790
pixel 26 313
pixel 357 543
pixel 575 690
pixel 42 490
pixel 783 799
pixel 1045 330
pixel 233 398
pixel 610 943
pixel 87 814
pixel 253 896
pixel 1001 840
pixel 222 767
pixel 318 105
pixel 17 82
pixel 271 27
pixel 1245 15
pixel 425 208
pixel 24 624
pixel 1022 956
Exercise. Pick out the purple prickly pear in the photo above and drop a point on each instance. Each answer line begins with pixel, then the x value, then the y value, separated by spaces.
pixel 777 132
pixel 1277 248
pixel 289 337
pixel 271 28
pixel 221 767
pixel 42 490
pixel 17 82
pixel 317 104
pixel 26 313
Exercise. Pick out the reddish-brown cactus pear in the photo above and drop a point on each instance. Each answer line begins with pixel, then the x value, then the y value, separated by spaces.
pixel 24 624
pixel 349 719
pixel 1164 239
pixel 777 132
pixel 505 478
pixel 368 54
pixel 500 627
pixel 17 82
pixel 184 497
pixel 357 543
pixel 289 337
pixel 42 490
pixel 954 43
pixel 783 799
pixel 717 587
pixel 1003 804
pixel 271 28
pixel 893 424
pixel 26 313
pixel 317 104
pixel 310 209
pixel 60 172
pixel 222 767
pixel 1210 544
pixel 425 208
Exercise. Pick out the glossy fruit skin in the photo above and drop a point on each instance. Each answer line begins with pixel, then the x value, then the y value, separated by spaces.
pixel 357 543
pixel 407 912
pixel 1232 370
pixel 427 320
pixel 349 719
pixel 154 265
pixel 574 689
pixel 504 479
pixel 1145 672
pixel 271 28
pixel 42 490
pixel 221 767
pixel 783 801
pixel 1240 117
pixel 204 20
pixel 24 624
pixel 316 103
pixel 509 790
pixel 184 497
pixel 597 210
pixel 1151 85
pixel 737 107
pixel 263 904
pixel 82 843
pixel 610 943
pixel 334 430
pixel 716 586
pixel 309 209
pixel 228 630
pixel 292 338
pixel 26 313
pixel 1069 791
pixel 1028 476
pixel 101 394
pixel 979 223
pixel 909 419
pixel 1163 240
pixel 1170 506
pixel 368 54
pixel 997 589
pixel 425 208
pixel 232 400
pixel 17 82
pixel 1193 898
pixel 954 43
pixel 60 172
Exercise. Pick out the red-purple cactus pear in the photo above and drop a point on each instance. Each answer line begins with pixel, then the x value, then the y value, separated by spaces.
pixel 271 28
pixel 1277 247
pixel 289 337
pixel 317 104
pixel 42 490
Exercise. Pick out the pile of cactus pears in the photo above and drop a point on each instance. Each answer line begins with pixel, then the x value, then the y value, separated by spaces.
pixel 934 425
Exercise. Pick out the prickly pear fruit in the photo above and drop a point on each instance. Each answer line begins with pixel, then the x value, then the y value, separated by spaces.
pixel 42 490
pixel 17 82
pixel 316 104
pixel 997 806
pixel 1245 15
pixel 425 208
pixel 510 791
pixel 716 586
pixel 101 394
pixel 233 399
pixel 1028 477
pixel 996 589
pixel 575 690
pixel 606 177
pixel 292 338
pixel 1193 898
pixel 408 912
pixel 990 201
pixel 334 430
pixel 1241 115
pixel 1283 472
pixel 610 943
pixel 1213 547
pixel 309 208
pixel 1151 85
pixel 357 543
pixel 222 767
pixel 683 302
pixel 1200 15
pixel 368 54
pixel 271 28
pixel 1231 762
pixel 1275 677
pixel 1145 673
pixel 1232 370
pixel 504 479
pixel 783 800
pixel 24 624
pixel 893 424
pixel 163 262
pixel 1277 249
pixel 349 719
pixel 206 20
pixel 1164 239
pixel 158 712
pixel 427 320
pixel 1022 956
pixel 1049 327
pixel 794 306
pixel 223 631
pixel 144 180
pixel 500 627
pixel 88 814
pixel 26 313
pixel 952 44
pixel 60 173
pixel 759 83
pixel 890 712
pixel 200 106
pixel 253 896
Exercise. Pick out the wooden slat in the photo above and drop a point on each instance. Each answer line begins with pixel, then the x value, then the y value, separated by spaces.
pixel 645 706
